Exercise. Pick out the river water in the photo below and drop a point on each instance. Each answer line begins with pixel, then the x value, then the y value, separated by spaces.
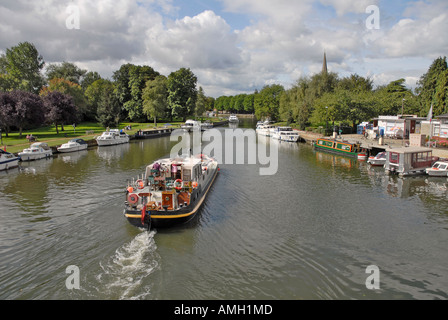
pixel 310 231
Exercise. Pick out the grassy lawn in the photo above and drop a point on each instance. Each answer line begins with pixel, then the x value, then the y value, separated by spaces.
pixel 86 131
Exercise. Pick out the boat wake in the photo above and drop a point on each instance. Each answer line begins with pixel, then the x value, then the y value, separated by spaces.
pixel 123 274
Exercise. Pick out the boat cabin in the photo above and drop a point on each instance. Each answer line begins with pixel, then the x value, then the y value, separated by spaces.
pixel 409 160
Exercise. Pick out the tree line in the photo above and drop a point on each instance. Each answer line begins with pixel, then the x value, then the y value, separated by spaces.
pixel 325 98
pixel 67 94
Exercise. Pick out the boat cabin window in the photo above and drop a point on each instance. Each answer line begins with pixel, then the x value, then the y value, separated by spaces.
pixel 186 176
pixel 442 166
pixel 394 157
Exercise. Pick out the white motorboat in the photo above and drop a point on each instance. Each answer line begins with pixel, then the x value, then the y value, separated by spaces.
pixel 73 145
pixel 112 137
pixel 285 134
pixel 8 160
pixel 190 125
pixel 438 169
pixel 233 118
pixel 266 130
pixel 37 150
pixel 378 160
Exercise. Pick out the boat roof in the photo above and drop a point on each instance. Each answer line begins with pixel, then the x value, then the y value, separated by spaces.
pixel 410 150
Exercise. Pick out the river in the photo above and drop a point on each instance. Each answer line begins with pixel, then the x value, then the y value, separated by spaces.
pixel 312 230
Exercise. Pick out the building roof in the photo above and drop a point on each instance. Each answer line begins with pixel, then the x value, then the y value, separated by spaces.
pixel 443 116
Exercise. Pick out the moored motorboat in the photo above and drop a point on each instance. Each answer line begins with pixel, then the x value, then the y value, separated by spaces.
pixel 438 169
pixel 73 145
pixel 170 192
pixel 285 134
pixel 378 160
pixel 233 118
pixel 190 125
pixel 8 160
pixel 37 150
pixel 112 137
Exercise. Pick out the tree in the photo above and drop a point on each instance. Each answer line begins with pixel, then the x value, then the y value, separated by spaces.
pixel 7 106
pixel 89 78
pixel 20 67
pixel 66 70
pixel 201 103
pixel 72 89
pixel 267 101
pixel 431 89
pixel 28 110
pixel 182 92
pixel 248 103
pixel 108 112
pixel 94 93
pixel 155 98
pixel 138 76
pixel 60 109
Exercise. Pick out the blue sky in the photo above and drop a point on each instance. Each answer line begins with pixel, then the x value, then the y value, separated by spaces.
pixel 236 46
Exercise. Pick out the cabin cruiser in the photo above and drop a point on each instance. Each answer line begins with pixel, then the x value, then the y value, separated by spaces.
pixel 190 125
pixel 170 192
pixel 73 145
pixel 112 137
pixel 285 134
pixel 266 130
pixel 378 160
pixel 438 169
pixel 233 118
pixel 37 150
pixel 8 160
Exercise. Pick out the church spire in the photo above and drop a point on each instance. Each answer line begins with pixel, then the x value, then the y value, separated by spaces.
pixel 324 66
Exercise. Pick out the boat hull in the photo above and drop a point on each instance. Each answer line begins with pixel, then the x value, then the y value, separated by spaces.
pixel 111 142
pixel 6 165
pixel 436 173
pixel 167 219
pixel 72 149
pixel 34 156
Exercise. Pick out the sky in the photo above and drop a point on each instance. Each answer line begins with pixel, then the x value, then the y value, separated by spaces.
pixel 235 46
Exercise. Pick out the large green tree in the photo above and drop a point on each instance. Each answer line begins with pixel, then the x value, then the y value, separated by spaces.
pixel 155 98
pixel 21 67
pixel 182 92
pixel 267 101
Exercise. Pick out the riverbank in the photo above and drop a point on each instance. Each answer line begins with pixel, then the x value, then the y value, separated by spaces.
pixel 310 137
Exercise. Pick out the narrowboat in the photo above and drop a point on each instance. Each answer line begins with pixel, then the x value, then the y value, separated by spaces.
pixel 338 147
pixel 170 192
pixel 407 161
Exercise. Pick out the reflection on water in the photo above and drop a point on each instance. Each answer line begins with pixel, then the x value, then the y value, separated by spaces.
pixel 307 232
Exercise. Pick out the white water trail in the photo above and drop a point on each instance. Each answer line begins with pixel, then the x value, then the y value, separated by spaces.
pixel 123 275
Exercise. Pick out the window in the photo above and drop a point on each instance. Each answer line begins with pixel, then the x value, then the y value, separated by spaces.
pixel 394 157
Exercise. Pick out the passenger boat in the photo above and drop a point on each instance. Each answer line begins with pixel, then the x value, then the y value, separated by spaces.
pixel 112 137
pixel 285 134
pixel 409 160
pixel 73 145
pixel 338 147
pixel 438 169
pixel 37 150
pixel 378 160
pixel 233 118
pixel 190 125
pixel 8 160
pixel 170 192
